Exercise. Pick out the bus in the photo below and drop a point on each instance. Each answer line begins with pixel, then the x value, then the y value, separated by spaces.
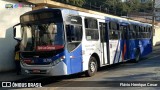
pixel 58 41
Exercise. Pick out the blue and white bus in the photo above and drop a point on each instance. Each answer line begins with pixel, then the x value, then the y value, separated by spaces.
pixel 63 42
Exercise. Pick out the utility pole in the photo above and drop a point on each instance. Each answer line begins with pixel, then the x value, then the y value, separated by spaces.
pixel 153 15
pixel 153 20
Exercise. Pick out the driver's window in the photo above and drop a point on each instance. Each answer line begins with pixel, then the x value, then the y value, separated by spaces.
pixel 74 33
pixel 74 36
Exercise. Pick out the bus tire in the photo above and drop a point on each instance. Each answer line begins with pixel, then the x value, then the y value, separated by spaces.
pixel 137 54
pixel 92 67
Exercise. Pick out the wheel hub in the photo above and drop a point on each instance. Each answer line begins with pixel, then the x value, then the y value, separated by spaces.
pixel 93 66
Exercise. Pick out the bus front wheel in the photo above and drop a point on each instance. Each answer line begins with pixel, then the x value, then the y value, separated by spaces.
pixel 92 67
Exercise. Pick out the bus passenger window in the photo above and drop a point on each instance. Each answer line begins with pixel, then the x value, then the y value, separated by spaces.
pixel 114 35
pixel 130 35
pixel 91 27
pixel 131 28
pixel 137 28
pixel 123 30
pixel 137 34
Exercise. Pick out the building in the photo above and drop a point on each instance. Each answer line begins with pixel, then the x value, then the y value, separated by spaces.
pixel 10 12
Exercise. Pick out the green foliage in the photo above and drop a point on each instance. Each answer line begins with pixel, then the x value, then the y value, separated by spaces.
pixel 123 8
pixel 73 2
pixel 146 7
pixel 116 7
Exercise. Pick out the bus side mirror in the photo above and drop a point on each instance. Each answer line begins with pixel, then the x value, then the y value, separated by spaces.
pixel 17 32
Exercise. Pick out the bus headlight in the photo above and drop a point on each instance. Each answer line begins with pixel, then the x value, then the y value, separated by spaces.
pixel 58 61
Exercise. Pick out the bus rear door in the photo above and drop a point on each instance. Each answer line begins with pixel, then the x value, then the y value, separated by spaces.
pixel 103 42
pixel 125 42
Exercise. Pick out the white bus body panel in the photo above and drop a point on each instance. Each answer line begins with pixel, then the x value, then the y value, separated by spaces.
pixel 115 52
pixel 90 47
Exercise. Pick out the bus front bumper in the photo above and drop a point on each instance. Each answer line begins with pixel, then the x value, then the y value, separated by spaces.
pixel 47 70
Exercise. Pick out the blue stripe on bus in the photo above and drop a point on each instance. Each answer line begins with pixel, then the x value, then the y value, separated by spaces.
pixel 146 46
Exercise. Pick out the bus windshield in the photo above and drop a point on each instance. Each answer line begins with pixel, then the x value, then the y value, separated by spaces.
pixel 42 37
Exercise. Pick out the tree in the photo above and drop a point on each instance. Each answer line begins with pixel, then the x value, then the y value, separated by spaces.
pixel 133 5
pixel 112 5
pixel 146 7
pixel 122 9
pixel 116 7
pixel 73 2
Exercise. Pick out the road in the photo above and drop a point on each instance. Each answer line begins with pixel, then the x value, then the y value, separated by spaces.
pixel 147 69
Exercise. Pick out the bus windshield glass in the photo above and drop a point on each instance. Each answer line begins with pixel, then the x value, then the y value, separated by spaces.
pixel 42 37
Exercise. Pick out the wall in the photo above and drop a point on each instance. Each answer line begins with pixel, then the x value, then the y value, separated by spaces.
pixel 156 38
pixel 8 18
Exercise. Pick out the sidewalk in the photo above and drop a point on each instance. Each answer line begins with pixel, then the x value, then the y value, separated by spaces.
pixel 156 47
pixel 12 76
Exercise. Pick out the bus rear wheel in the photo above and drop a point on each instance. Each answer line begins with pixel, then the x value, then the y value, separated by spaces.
pixel 92 67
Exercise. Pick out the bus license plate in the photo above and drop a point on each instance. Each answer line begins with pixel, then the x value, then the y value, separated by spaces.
pixel 36 71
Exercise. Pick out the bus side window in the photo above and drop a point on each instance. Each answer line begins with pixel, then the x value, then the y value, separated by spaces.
pixel 137 29
pixel 91 29
pixel 124 32
pixel 114 33
pixel 74 36
pixel 130 35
